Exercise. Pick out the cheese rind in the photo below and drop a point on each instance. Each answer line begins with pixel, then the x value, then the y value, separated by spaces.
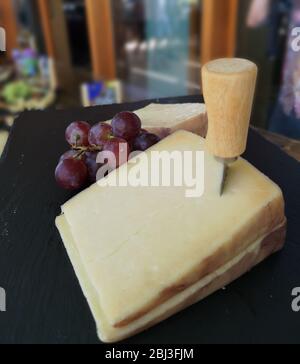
pixel 128 240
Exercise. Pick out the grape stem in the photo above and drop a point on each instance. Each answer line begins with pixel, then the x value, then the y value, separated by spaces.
pixel 91 149
pixel 82 150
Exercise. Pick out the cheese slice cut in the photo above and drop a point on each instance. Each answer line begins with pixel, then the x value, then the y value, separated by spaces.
pixel 143 253
pixel 165 119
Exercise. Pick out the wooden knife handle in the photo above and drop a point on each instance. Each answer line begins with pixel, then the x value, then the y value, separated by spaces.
pixel 228 89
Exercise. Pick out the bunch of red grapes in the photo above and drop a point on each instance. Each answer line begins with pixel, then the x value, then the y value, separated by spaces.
pixel 78 166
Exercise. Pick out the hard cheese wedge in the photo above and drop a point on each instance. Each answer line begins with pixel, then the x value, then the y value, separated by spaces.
pixel 165 119
pixel 142 254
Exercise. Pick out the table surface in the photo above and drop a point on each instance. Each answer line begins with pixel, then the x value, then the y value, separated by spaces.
pixel 44 301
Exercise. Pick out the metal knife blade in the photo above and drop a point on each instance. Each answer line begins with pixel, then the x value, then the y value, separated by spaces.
pixel 226 163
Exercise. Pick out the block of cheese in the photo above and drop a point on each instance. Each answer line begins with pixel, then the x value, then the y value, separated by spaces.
pixel 142 254
pixel 165 119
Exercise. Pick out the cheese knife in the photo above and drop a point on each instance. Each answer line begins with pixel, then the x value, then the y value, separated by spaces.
pixel 228 90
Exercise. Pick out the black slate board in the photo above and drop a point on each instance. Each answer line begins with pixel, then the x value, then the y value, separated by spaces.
pixel 44 301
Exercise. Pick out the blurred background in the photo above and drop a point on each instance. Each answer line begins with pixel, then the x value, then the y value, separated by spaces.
pixel 65 53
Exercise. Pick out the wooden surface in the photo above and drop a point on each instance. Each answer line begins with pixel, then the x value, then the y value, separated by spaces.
pixel 218 29
pixel 289 146
pixel 57 42
pixel 44 301
pixel 9 22
pixel 228 89
pixel 45 16
pixel 100 26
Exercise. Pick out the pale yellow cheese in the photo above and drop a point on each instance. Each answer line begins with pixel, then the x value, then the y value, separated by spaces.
pixel 109 334
pixel 129 245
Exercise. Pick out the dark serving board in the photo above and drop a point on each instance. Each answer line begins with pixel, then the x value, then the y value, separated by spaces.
pixel 44 301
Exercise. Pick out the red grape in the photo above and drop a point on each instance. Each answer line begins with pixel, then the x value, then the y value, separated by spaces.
pixel 145 141
pixel 92 165
pixel 99 133
pixel 120 148
pixel 77 133
pixel 91 155
pixel 70 154
pixel 126 125
pixel 71 174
